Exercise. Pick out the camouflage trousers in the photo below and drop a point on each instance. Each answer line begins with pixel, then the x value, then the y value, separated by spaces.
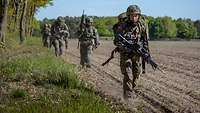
pixel 59 45
pixel 46 41
pixel 85 53
pixel 131 68
pixel 66 43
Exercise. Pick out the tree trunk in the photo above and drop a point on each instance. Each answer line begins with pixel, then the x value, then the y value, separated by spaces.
pixel 16 14
pixel 3 19
pixel 27 20
pixel 22 23
pixel 33 9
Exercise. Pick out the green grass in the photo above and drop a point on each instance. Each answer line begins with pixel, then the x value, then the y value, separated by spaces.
pixel 18 93
pixel 33 80
pixel 59 101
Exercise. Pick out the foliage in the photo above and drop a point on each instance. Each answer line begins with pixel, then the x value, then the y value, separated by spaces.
pixel 159 28
pixel 163 27
pixel 104 25
pixel 197 25
pixel 20 16
pixel 18 93
pixel 186 29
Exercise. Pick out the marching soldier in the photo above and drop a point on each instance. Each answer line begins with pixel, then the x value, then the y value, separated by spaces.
pixel 135 30
pixel 59 32
pixel 88 38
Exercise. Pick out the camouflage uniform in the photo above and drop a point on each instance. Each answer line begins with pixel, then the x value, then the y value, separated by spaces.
pixel 67 35
pixel 59 32
pixel 116 28
pixel 130 63
pixel 46 31
pixel 89 37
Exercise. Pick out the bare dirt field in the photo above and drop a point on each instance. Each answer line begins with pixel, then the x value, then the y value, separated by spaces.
pixel 176 91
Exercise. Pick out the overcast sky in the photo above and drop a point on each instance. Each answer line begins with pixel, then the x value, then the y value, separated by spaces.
pixel 155 8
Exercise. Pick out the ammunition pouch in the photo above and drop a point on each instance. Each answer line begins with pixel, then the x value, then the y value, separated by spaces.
pixel 86 42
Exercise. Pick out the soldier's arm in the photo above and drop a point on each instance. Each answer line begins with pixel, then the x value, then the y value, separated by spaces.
pixel 145 37
pixel 80 33
pixel 53 31
pixel 117 29
pixel 42 30
pixel 67 31
pixel 115 41
pixel 96 37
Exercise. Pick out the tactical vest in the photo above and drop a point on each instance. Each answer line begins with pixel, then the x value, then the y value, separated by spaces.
pixel 59 30
pixel 46 31
pixel 88 34
pixel 134 31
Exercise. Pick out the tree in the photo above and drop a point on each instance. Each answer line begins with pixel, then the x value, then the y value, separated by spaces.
pixel 22 22
pixel 16 14
pixel 3 19
pixel 162 27
pixel 197 25
pixel 104 25
pixel 186 29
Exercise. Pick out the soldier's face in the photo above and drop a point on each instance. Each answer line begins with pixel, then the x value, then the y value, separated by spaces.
pixel 134 17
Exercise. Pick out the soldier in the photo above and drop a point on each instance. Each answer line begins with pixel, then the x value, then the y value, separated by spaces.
pixel 135 30
pixel 49 37
pixel 88 37
pixel 67 35
pixel 116 28
pixel 59 32
pixel 46 31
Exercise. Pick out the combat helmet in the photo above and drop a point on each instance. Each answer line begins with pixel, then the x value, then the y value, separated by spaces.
pixel 122 16
pixel 89 20
pixel 133 9
pixel 60 19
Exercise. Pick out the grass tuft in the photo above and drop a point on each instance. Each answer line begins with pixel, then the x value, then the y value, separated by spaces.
pixel 18 93
pixel 35 81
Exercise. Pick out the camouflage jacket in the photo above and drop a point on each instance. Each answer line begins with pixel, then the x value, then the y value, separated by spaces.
pixel 89 34
pixel 135 32
pixel 46 31
pixel 60 31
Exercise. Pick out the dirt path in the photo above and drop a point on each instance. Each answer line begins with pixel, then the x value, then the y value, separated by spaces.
pixel 176 91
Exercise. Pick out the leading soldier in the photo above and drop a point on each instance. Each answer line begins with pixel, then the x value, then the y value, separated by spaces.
pixel 134 29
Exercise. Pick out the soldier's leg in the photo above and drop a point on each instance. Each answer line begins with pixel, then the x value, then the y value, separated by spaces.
pixel 88 56
pixel 136 68
pixel 82 49
pixel 43 40
pixel 56 46
pixel 66 44
pixel 143 66
pixel 125 65
pixel 61 46
pixel 48 41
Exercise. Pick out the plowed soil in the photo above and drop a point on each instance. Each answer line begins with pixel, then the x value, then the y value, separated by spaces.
pixel 176 91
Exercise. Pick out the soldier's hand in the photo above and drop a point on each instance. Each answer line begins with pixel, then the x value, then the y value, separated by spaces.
pixel 98 44
pixel 88 35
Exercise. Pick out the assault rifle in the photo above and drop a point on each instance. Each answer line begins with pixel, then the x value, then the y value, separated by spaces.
pixel 134 48
pixel 81 27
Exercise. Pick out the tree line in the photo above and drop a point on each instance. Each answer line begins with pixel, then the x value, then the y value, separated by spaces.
pixel 159 27
pixel 17 16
